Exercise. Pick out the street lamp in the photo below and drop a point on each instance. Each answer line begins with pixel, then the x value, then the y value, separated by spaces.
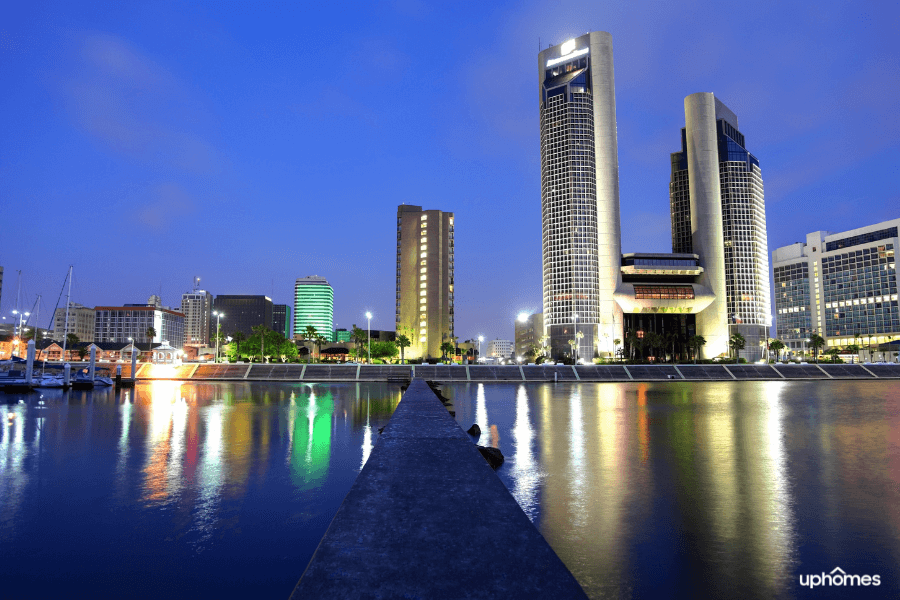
pixel 218 316
pixel 575 358
pixel 369 336
pixel 480 339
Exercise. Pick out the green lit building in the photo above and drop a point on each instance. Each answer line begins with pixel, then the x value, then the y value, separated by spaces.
pixel 341 335
pixel 314 305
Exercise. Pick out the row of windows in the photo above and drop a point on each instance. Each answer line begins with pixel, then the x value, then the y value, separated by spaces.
pixel 663 292
pixel 864 238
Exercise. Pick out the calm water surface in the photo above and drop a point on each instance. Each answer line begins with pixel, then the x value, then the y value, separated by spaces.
pixel 177 490
pixel 670 490
pixel 696 490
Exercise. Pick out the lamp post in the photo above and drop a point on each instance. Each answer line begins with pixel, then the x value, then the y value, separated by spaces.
pixel 19 334
pixel 218 316
pixel 369 337
pixel 575 347
pixel 480 339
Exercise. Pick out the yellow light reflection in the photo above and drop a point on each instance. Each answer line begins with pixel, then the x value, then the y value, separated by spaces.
pixel 524 471
pixel 481 416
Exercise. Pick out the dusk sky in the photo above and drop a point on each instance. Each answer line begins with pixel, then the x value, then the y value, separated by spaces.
pixel 252 143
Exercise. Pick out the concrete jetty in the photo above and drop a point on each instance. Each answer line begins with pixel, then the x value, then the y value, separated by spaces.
pixel 428 518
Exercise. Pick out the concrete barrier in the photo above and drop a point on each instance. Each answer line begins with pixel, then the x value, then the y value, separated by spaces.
pixel 428 518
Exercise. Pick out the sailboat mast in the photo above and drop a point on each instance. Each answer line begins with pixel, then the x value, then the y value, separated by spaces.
pixel 68 299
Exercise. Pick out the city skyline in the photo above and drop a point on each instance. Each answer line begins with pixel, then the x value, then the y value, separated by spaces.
pixel 196 139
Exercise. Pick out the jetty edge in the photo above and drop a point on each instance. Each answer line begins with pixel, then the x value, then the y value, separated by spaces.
pixel 428 518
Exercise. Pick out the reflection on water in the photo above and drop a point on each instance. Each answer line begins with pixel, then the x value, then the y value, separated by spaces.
pixel 179 489
pixel 705 489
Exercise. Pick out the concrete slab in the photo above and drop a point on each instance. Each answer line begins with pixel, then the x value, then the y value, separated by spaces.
pixel 428 518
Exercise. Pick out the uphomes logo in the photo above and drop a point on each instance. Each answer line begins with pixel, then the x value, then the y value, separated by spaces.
pixel 839 578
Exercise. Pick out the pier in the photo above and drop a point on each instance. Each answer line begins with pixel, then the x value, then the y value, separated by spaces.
pixel 428 518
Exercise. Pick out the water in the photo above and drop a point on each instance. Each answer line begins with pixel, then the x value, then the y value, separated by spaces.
pixel 177 490
pixel 698 490
pixel 644 490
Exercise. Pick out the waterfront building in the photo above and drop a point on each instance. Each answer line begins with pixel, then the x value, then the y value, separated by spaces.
pixel 196 306
pixel 242 313
pixel 313 305
pixel 718 213
pixel 131 321
pixel 81 323
pixel 281 320
pixel 529 329
pixel 841 286
pixel 425 279
pixel 500 348
pixel 579 194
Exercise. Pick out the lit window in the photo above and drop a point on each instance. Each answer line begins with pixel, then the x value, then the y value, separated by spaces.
pixel 423 277
pixel 423 255
pixel 423 339
pixel 423 292
pixel 424 217
pixel 423 323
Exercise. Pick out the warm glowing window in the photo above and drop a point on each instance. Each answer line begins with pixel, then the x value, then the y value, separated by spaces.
pixel 423 277
pixel 423 292
pixel 663 292
pixel 423 255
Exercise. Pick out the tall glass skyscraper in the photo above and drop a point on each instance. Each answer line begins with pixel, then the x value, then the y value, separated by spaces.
pixel 314 305
pixel 719 213
pixel 580 195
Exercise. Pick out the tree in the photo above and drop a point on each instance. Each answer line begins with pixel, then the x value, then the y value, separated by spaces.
pixel 631 340
pixel 71 340
pixel 320 341
pixel 360 338
pixel 776 346
pixel 237 337
pixel 671 339
pixel 737 343
pixel 446 348
pixel 384 350
pixel 695 343
pixel 260 330
pixel 402 343
pixel 310 334
pixel 853 349
pixel 816 341
pixel 82 352
pixel 833 353
pixel 573 342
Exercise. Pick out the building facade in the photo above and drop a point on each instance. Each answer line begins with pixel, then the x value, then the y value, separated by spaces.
pixel 281 320
pixel 196 306
pixel 314 305
pixel 841 286
pixel 243 313
pixel 121 324
pixel 500 348
pixel 529 329
pixel 81 323
pixel 718 212
pixel 425 279
pixel 579 194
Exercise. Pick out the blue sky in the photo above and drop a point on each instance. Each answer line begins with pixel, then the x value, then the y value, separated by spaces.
pixel 251 143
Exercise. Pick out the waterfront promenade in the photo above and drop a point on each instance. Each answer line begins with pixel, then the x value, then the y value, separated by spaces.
pixel 508 373
pixel 428 518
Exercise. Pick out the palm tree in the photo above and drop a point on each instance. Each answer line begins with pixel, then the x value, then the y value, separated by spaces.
pixel 260 330
pixel 402 342
pixel 776 346
pixel 360 338
pixel 151 333
pixel 853 349
pixel 737 343
pixel 310 335
pixel 671 339
pixel 816 341
pixel 446 348
pixel 631 339
pixel 237 337
pixel 320 341
pixel 695 342
pixel 573 343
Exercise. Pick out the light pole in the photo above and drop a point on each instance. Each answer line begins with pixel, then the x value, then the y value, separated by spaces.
pixel 369 337
pixel 480 339
pixel 19 334
pixel 575 358
pixel 218 316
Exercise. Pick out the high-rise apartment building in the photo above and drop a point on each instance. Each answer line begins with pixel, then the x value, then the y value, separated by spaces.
pixel 243 313
pixel 314 305
pixel 80 322
pixel 197 309
pixel 281 320
pixel 580 194
pixel 424 309
pixel 718 213
pixel 842 286
pixel 120 324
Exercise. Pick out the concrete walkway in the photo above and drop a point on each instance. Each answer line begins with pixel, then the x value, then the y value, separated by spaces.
pixel 428 518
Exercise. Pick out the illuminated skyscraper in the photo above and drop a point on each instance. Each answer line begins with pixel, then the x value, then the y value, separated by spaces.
pixel 719 213
pixel 314 305
pixel 424 310
pixel 580 195
pixel 196 306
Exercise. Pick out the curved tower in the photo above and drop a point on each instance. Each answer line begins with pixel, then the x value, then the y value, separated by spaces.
pixel 580 195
